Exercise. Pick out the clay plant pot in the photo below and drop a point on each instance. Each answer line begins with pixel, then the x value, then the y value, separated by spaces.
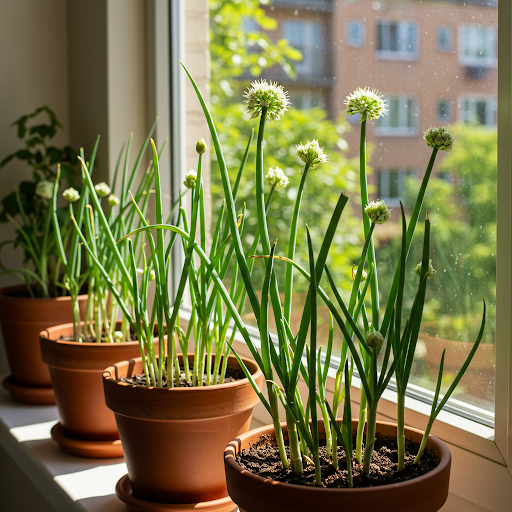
pixel 22 319
pixel 87 426
pixel 173 439
pixel 253 493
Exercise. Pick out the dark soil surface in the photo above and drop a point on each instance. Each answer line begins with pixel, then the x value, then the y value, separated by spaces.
pixel 90 339
pixel 232 375
pixel 263 460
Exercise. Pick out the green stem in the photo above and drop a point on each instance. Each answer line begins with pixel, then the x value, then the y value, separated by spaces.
pixel 292 243
pixel 400 431
pixel 423 441
pixel 374 284
pixel 273 401
pixel 327 430
pixel 360 427
pixel 293 440
pixel 371 427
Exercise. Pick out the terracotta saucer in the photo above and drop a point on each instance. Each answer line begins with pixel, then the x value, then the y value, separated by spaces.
pixel 29 394
pixel 125 494
pixel 90 449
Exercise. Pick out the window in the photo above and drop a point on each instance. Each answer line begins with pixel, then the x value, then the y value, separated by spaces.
pixel 305 101
pixel 402 119
pixel 444 111
pixel 397 40
pixel 355 34
pixel 479 111
pixel 306 36
pixel 478 46
pixel 391 185
pixel 444 39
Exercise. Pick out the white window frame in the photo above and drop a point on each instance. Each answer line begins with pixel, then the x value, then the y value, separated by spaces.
pixel 449 117
pixel 491 106
pixel 383 129
pixel 401 53
pixel 473 60
pixel 361 33
pixel 481 473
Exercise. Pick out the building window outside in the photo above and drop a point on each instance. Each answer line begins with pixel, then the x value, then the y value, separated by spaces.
pixel 391 185
pixel 478 46
pixel 305 101
pixel 444 39
pixel 402 118
pixel 479 111
pixel 355 34
pixel 444 111
pixel 397 40
pixel 306 36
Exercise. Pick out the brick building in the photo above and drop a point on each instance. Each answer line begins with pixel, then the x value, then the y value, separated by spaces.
pixel 434 60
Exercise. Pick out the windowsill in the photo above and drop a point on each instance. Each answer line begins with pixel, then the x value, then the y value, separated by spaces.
pixel 390 55
pixel 73 484
pixel 381 131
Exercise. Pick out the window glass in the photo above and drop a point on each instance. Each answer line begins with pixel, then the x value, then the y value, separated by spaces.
pixel 436 63
pixel 444 39
pixel 355 34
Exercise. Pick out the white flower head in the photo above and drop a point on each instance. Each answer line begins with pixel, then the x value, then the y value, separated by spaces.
pixel 44 189
pixel 71 195
pixel 367 102
pixel 277 178
pixel 439 138
pixel 102 189
pixel 374 339
pixel 311 153
pixel 113 200
pixel 190 179
pixel 430 270
pixel 118 336
pixel 377 211
pixel 364 275
pixel 270 95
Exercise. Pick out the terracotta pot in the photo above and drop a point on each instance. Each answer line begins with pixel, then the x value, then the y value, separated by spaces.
pixel 87 426
pixel 478 381
pixel 173 439
pixel 253 493
pixel 22 319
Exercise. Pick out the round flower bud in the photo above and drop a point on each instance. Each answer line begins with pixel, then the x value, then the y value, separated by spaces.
pixel 367 102
pixel 364 275
pixel 190 179
pixel 118 336
pixel 44 189
pixel 311 153
pixel 377 212
pixel 201 146
pixel 261 94
pixel 439 138
pixel 152 275
pixel 277 178
pixel 102 189
pixel 71 195
pixel 374 339
pixel 430 270
pixel 113 200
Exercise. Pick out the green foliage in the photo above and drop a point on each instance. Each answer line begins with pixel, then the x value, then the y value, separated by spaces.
pixel 324 182
pixel 464 217
pixel 30 212
pixel 235 50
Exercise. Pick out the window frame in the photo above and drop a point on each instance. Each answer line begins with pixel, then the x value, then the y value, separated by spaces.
pixel 473 61
pixel 361 32
pixel 398 54
pixel 491 105
pixel 482 456
pixel 382 127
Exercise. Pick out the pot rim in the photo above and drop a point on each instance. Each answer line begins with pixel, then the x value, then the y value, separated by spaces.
pixel 6 290
pixel 235 445
pixel 45 334
pixel 111 370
